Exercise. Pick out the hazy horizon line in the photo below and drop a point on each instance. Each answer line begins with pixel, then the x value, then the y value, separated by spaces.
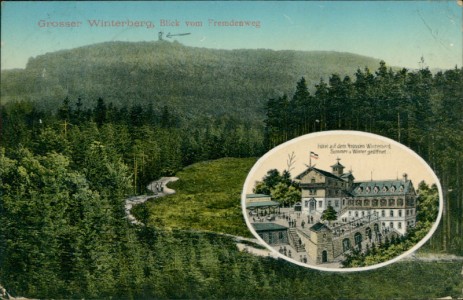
pixel 436 69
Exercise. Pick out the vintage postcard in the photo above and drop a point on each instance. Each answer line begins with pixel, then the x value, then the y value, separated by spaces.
pixel 345 208
pixel 231 149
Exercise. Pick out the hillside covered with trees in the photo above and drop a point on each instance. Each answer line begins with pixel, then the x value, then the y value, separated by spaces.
pixel 65 237
pixel 73 148
pixel 196 81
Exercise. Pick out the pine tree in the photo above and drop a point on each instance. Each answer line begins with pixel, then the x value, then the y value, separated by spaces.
pixel 321 100
pixel 301 109
pixel 65 110
pixel 100 112
pixel 78 116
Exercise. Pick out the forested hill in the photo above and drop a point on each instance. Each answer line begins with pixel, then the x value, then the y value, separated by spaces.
pixel 193 80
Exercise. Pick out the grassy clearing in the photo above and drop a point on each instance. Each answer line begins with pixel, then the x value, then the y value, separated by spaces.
pixel 207 198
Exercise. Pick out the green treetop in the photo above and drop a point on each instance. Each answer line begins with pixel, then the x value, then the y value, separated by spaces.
pixel 329 214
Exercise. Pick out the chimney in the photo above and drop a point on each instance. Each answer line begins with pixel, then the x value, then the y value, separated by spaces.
pixel 405 176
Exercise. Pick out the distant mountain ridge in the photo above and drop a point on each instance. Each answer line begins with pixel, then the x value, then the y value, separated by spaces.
pixel 191 80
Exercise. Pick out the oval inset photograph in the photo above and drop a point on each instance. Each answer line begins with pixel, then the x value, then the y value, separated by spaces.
pixel 342 201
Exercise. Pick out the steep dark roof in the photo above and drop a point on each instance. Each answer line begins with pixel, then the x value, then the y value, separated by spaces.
pixel 346 176
pixel 318 227
pixel 268 227
pixel 337 164
pixel 324 173
pixel 385 188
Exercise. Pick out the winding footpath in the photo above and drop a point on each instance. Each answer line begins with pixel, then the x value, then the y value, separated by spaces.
pixel 158 187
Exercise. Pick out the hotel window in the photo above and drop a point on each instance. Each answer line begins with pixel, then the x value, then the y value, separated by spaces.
pixel 320 203
pixel 358 239
pixel 391 213
pixel 383 213
pixel 306 203
pixel 400 225
pixel 345 244
pixel 336 203
pixel 400 212
pixel 391 225
pixel 329 202
pixel 312 180
pixel 356 214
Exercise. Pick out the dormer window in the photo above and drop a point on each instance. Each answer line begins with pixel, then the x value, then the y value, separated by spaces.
pixel 368 189
pixel 392 188
pixel 360 189
pixel 401 189
pixel 384 189
pixel 376 189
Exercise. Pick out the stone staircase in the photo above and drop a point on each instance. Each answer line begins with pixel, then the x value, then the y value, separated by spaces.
pixel 294 240
pixel 343 210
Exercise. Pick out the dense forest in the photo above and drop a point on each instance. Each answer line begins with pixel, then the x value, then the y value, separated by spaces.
pixel 148 143
pixel 66 171
pixel 196 81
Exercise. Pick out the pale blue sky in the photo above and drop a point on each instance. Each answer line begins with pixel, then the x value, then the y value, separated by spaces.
pixel 400 32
